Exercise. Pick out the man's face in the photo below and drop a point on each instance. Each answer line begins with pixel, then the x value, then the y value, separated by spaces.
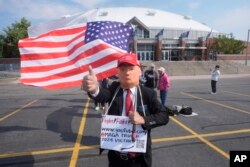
pixel 129 75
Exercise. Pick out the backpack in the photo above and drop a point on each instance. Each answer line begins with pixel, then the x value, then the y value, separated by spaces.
pixel 177 109
pixel 186 110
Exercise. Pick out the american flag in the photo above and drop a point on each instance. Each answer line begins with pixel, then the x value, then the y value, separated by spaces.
pixel 184 34
pixel 60 58
pixel 159 33
pixel 209 34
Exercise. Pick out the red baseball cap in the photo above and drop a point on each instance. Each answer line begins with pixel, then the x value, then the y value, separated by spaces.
pixel 129 58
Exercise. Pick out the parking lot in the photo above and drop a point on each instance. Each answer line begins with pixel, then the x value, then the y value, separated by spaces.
pixel 41 128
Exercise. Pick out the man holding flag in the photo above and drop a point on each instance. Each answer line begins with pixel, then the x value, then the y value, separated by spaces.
pixel 127 98
pixel 62 57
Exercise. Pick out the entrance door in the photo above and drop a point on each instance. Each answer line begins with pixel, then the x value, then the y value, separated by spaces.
pixel 145 55
pixel 165 55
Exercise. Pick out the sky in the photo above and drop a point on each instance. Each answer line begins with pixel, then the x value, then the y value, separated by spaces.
pixel 225 16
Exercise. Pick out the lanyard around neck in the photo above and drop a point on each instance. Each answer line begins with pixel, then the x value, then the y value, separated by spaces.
pixel 143 108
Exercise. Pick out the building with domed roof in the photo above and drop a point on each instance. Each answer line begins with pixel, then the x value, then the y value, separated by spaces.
pixel 160 35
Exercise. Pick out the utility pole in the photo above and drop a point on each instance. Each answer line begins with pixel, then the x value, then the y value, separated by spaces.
pixel 247 46
pixel 1 43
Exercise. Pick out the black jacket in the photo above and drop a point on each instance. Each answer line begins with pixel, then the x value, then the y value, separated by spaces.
pixel 152 78
pixel 156 113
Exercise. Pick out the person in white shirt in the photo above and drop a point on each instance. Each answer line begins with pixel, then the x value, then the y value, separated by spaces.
pixel 214 78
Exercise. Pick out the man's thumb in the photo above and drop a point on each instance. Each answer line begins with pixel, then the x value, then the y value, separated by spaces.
pixel 91 71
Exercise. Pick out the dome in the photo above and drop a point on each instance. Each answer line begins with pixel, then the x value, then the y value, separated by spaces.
pixel 151 18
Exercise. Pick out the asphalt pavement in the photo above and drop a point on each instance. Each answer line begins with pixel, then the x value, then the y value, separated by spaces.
pixel 41 128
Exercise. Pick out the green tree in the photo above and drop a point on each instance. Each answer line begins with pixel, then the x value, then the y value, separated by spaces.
pixel 13 34
pixel 227 45
pixel 1 44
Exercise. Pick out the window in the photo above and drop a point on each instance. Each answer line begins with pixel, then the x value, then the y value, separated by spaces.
pixel 141 32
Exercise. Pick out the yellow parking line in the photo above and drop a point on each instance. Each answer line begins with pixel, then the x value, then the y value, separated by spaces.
pixel 202 135
pixel 39 152
pixel 60 150
pixel 76 149
pixel 42 152
pixel 173 138
pixel 213 102
pixel 225 133
pixel 201 138
pixel 236 93
pixel 14 112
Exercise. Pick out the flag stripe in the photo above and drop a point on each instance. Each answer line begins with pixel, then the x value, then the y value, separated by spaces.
pixel 91 55
pixel 28 60
pixel 48 44
pixel 66 73
pixel 59 32
pixel 29 51
pixel 75 77
pixel 72 54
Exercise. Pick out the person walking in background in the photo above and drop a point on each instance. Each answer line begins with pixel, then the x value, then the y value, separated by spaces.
pixel 142 77
pixel 151 77
pixel 164 84
pixel 214 78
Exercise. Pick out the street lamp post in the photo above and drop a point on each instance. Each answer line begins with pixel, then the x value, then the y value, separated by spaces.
pixel 247 46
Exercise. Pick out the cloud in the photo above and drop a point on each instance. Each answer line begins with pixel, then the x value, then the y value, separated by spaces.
pixel 235 21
